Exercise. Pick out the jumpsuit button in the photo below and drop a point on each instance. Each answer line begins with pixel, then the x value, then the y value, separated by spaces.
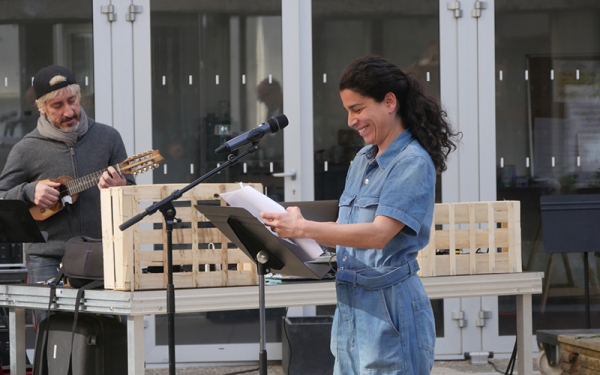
pixel 366 181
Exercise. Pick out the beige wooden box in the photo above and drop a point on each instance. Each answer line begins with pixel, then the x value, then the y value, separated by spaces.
pixel 464 232
pixel 205 254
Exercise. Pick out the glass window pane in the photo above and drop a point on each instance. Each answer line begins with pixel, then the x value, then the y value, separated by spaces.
pixel 216 73
pixel 548 136
pixel 405 32
pixel 34 34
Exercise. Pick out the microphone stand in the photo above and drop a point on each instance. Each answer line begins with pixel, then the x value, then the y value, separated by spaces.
pixel 166 207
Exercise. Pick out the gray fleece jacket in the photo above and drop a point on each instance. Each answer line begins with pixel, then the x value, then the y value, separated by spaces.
pixel 37 158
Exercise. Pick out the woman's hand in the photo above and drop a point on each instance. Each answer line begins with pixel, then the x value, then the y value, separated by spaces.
pixel 289 224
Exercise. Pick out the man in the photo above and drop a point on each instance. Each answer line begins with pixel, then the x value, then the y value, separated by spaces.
pixel 65 143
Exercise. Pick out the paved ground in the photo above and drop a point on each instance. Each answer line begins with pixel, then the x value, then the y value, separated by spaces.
pixel 440 368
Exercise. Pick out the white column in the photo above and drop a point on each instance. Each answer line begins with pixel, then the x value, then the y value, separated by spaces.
pixel 297 98
pixel 122 73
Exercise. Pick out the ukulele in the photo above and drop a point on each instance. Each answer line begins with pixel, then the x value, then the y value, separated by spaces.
pixel 72 187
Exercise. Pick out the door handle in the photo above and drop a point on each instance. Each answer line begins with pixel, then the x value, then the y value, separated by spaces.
pixel 291 174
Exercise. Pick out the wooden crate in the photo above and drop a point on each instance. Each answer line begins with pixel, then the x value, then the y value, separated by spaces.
pixel 464 232
pixel 207 257
pixel 580 354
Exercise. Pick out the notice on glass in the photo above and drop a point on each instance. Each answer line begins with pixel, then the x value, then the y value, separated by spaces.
pixel 255 202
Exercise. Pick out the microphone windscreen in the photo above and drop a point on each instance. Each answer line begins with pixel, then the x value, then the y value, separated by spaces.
pixel 278 122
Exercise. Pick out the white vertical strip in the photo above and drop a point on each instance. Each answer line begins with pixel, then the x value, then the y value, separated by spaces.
pixel 326 166
pixel 142 82
pixel 164 80
pixel 270 79
pixel 191 168
pixel 245 167
pixel 298 98
pixel 501 162
pixel 103 88
pixel 87 81
pixel 428 77
pixel 190 80
pixel 31 81
pixel 123 62
pixel 271 167
pixel 526 75
pixel 243 79
pixel 217 79
pixel 527 162
pixel 578 161
pixel 577 74
pixel 486 123
pixel 324 77
pixel 165 168
pixel 552 74
pixel 449 95
pixel 553 162
pixel 500 75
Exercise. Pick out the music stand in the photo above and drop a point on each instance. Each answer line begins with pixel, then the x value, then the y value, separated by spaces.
pixel 270 252
pixel 16 226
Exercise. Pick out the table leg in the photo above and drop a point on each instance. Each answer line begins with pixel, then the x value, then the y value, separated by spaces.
pixel 135 345
pixel 524 329
pixel 16 326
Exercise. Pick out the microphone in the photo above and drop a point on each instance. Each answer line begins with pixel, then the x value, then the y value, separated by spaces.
pixel 273 125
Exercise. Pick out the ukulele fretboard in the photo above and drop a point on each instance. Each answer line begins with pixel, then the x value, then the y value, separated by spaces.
pixel 78 185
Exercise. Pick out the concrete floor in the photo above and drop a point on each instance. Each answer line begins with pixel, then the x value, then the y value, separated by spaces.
pixel 440 368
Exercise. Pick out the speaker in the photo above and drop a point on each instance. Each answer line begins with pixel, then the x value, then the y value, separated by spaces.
pixel 305 345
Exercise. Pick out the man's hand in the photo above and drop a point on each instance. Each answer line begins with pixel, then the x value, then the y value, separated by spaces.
pixel 111 178
pixel 46 194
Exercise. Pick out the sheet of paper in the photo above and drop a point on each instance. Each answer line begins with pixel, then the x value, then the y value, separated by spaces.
pixel 256 202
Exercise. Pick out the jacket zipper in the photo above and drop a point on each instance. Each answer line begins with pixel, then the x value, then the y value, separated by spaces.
pixel 76 175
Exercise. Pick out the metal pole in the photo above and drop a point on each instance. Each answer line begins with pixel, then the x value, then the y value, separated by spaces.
pixel 262 257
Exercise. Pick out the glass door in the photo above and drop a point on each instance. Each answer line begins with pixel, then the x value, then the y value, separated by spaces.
pixel 547 77
pixel 216 73
pixel 408 34
pixel 34 34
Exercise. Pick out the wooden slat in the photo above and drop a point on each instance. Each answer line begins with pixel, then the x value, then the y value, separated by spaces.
pixel 472 242
pixel 491 224
pixel 452 247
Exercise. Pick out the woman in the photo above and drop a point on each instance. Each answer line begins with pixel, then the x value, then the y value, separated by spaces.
pixel 383 322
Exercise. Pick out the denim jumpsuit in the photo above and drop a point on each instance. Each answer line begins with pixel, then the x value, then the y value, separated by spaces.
pixel 383 322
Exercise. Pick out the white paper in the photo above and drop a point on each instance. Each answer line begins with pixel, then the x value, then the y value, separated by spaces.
pixel 255 202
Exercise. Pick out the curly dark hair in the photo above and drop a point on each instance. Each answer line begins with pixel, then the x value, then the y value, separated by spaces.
pixel 374 77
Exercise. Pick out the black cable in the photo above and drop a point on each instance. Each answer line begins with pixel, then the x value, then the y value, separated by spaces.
pixel 511 362
pixel 287 337
pixel 495 367
pixel 243 371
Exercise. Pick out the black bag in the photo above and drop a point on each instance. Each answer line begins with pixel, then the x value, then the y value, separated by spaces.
pixel 83 262
pixel 96 346
pixel 83 265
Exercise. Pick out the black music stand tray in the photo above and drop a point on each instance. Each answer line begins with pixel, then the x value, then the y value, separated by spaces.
pixel 570 225
pixel 16 226
pixel 267 250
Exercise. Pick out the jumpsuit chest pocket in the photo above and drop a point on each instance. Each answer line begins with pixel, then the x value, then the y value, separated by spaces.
pixel 357 210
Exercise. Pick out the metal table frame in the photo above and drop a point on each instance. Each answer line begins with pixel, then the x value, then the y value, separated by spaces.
pixel 139 303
